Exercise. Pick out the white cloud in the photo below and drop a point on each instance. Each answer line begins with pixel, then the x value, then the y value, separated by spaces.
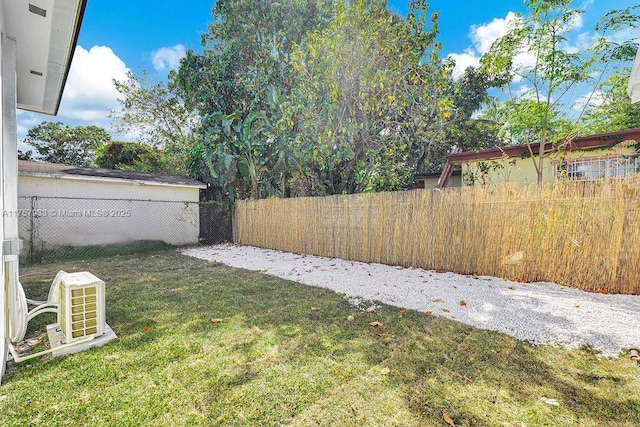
pixel 90 94
pixel 570 49
pixel 523 90
pixel 584 40
pixel 577 22
pixel 592 99
pixel 168 58
pixel 464 60
pixel 524 60
pixel 623 35
pixel 484 35
pixel 27 120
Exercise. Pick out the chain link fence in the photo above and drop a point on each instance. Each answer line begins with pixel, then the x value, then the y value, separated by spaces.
pixel 60 228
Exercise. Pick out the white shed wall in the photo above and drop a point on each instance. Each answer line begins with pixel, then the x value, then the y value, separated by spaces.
pixel 29 185
pixel 80 212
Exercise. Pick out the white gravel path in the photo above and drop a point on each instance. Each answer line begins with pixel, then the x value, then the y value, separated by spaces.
pixel 541 313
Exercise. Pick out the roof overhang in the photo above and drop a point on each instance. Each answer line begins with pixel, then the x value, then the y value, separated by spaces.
pixel 46 33
pixel 102 179
pixel 634 80
pixel 580 143
pixel 424 176
pixel 58 171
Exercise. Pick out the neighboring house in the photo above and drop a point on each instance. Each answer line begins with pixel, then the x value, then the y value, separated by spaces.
pixel 37 42
pixel 430 180
pixel 75 206
pixel 607 155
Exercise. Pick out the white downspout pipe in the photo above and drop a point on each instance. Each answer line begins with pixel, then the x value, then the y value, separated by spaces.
pixel 9 188
pixel 11 248
pixel 633 89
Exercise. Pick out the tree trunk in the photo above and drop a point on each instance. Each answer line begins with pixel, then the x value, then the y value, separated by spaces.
pixel 541 151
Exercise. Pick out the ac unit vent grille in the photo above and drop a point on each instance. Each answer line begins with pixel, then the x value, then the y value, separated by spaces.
pixel 81 312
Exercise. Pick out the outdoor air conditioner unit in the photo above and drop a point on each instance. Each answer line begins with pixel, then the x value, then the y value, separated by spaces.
pixel 81 306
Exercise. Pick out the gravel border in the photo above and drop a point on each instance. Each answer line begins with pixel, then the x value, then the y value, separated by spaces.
pixel 541 313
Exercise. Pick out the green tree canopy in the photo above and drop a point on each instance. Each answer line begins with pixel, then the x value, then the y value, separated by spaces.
pixel 56 142
pixel 373 103
pixel 613 110
pixel 246 53
pixel 355 86
pixel 247 49
pixel 323 97
pixel 136 157
pixel 157 117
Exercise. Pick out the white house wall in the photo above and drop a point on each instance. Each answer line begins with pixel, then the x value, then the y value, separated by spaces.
pixel 17 31
pixel 68 212
pixel 4 313
pixel 52 186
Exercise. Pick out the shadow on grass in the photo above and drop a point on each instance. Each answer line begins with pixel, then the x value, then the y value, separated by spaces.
pixel 286 353
pixel 66 253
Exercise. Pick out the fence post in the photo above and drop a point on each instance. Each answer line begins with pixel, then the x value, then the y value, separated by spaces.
pixel 32 231
pixel 234 237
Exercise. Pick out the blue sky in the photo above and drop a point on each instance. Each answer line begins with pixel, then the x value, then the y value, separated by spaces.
pixel 117 36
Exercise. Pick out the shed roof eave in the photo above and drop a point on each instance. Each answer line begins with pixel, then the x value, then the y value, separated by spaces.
pixel 50 175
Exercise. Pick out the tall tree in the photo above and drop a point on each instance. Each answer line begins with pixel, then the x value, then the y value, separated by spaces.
pixel 613 110
pixel 450 117
pixel 372 101
pixel 155 116
pixel 25 155
pixel 245 157
pixel 56 142
pixel 357 100
pixel 540 112
pixel 352 87
pixel 247 49
pixel 245 59
pixel 137 157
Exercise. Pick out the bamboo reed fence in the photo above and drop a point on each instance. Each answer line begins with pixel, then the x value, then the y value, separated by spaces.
pixel 580 234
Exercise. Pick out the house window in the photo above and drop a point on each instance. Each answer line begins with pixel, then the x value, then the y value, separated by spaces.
pixel 605 167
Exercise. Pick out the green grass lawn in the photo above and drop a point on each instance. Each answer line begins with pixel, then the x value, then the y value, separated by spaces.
pixel 286 354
